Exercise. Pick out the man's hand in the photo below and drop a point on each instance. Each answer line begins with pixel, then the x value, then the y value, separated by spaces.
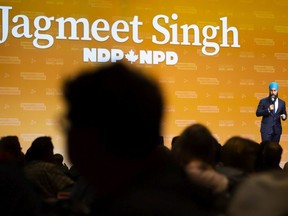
pixel 271 107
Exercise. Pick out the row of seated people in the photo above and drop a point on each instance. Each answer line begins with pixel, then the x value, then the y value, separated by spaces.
pixel 112 127
pixel 206 162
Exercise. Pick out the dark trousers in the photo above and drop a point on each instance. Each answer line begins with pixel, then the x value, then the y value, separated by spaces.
pixel 270 137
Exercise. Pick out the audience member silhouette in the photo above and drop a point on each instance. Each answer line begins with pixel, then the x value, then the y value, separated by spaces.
pixel 113 119
pixel 261 194
pixel 240 153
pixel 48 180
pixel 195 143
pixel 238 160
pixel 173 141
pixel 17 197
pixel 58 159
pixel 10 149
pixel 269 157
pixel 196 149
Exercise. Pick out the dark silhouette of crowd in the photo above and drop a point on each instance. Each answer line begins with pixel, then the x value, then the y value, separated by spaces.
pixel 120 165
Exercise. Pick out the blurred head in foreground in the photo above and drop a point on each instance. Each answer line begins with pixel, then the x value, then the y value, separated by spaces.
pixel 113 111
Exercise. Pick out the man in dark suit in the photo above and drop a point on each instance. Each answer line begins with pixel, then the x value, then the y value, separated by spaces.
pixel 272 109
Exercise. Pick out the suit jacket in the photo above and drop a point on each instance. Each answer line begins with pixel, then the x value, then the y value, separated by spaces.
pixel 271 122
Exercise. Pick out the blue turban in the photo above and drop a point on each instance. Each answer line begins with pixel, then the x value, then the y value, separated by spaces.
pixel 273 85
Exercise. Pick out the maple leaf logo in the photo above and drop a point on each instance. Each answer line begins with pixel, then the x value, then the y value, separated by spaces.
pixel 131 56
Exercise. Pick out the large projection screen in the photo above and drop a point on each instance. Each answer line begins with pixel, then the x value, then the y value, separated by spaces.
pixel 214 59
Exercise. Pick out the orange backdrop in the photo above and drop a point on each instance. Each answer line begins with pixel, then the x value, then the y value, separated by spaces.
pixel 221 90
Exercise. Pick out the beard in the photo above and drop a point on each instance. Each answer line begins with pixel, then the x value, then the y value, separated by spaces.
pixel 276 95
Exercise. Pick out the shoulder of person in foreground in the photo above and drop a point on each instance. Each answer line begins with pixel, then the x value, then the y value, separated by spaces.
pixel 262 194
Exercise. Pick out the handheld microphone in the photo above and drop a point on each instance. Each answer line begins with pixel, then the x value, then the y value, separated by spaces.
pixel 273 98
